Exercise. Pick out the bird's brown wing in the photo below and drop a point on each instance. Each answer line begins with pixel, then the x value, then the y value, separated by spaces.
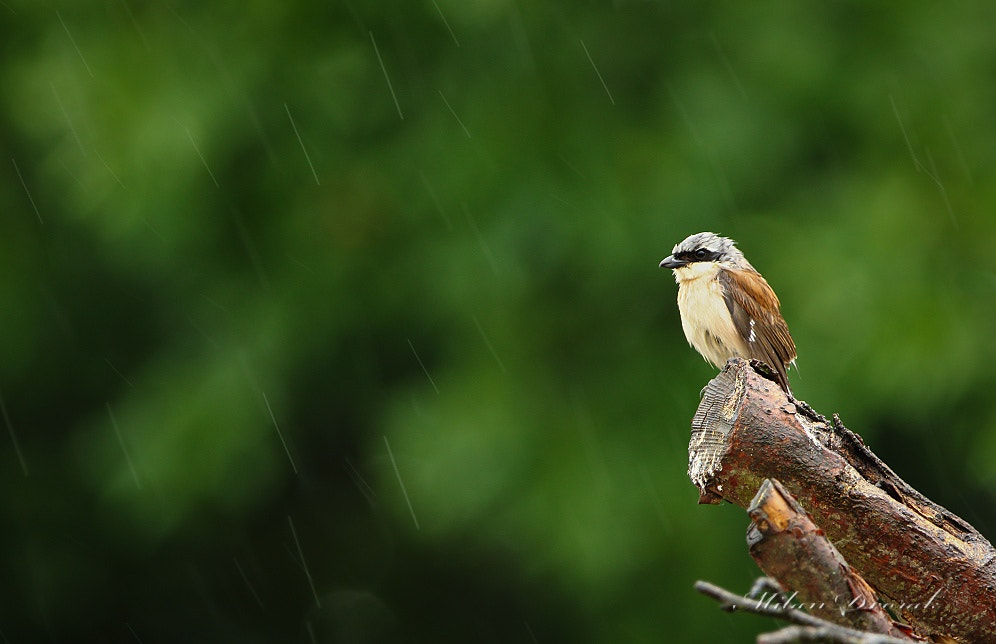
pixel 755 311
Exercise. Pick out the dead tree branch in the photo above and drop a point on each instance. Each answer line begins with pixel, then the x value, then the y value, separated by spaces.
pixel 925 563
pixel 790 548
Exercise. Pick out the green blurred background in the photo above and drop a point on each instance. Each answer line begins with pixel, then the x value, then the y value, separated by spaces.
pixel 421 238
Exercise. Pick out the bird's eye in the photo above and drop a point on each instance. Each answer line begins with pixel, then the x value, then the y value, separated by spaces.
pixel 701 253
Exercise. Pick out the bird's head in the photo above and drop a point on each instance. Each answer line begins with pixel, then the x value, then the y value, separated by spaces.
pixel 703 253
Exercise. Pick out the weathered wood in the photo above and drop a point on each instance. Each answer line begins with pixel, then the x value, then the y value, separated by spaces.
pixel 791 549
pixel 926 563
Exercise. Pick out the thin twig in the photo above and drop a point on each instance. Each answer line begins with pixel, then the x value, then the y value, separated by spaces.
pixel 813 629
pixel 731 602
pixel 834 634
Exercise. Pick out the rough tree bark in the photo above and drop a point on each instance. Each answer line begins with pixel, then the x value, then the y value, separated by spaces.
pixel 925 563
pixel 793 551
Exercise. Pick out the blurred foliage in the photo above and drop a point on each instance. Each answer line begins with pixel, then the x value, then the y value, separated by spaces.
pixel 342 321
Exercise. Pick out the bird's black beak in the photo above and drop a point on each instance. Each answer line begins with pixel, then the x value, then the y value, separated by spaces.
pixel 671 262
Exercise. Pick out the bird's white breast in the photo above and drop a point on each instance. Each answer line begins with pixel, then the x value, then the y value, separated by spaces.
pixel 705 318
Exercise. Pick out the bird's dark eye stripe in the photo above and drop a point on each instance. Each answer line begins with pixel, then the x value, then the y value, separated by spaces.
pixel 697 255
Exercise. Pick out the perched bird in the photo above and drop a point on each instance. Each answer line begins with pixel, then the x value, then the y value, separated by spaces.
pixel 727 308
